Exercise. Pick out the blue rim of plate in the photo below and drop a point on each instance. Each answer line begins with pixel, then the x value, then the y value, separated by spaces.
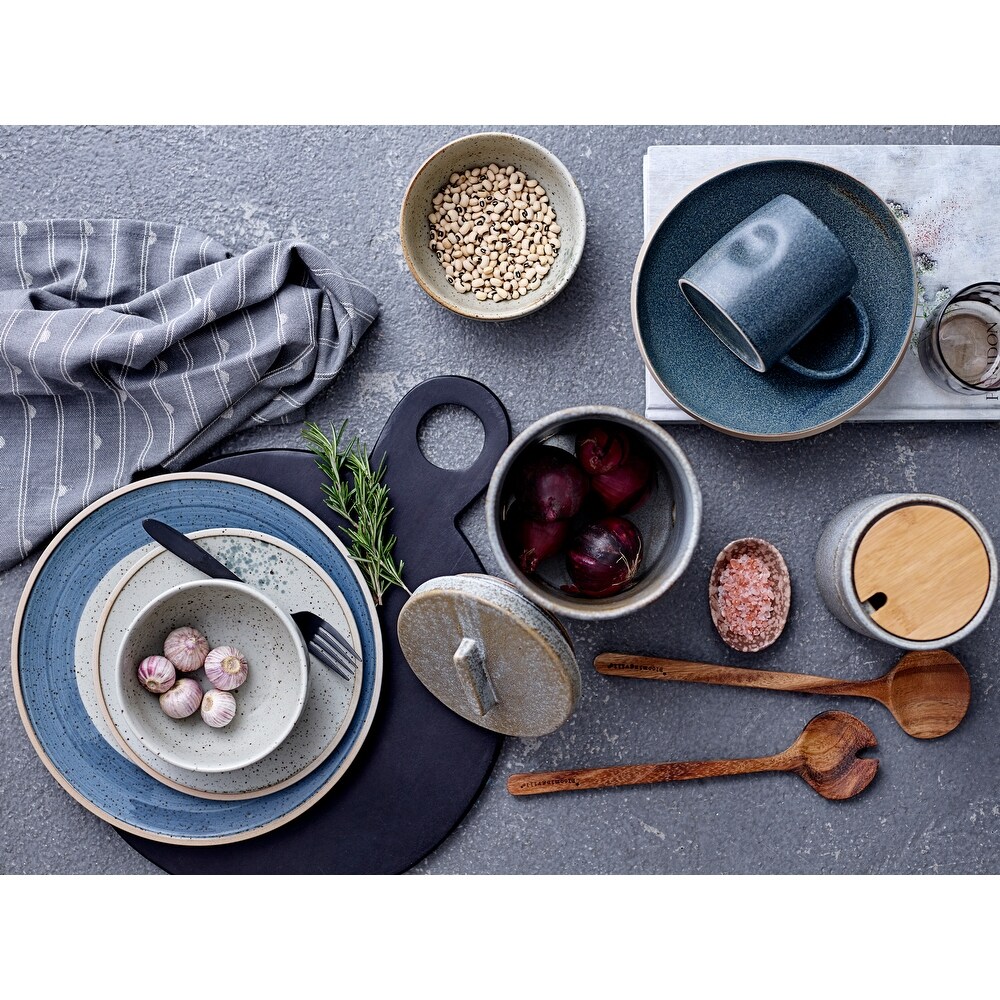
pixel 699 373
pixel 44 636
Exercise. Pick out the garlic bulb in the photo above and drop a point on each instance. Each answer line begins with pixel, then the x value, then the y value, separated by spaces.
pixel 182 699
pixel 226 668
pixel 218 708
pixel 186 648
pixel 156 674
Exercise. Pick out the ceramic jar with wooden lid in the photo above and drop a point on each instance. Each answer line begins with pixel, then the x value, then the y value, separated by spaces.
pixel 912 569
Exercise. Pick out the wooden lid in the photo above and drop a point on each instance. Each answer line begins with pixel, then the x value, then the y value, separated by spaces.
pixel 489 654
pixel 923 570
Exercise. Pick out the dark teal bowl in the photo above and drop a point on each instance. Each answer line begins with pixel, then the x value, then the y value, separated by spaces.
pixel 705 378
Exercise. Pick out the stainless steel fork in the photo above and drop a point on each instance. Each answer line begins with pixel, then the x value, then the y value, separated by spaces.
pixel 327 644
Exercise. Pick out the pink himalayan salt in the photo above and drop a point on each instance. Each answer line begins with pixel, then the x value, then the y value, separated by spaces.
pixel 746 597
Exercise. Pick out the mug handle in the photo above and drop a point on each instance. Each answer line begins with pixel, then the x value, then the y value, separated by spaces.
pixel 863 333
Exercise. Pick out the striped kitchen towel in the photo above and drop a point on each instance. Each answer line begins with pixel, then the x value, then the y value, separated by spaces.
pixel 127 346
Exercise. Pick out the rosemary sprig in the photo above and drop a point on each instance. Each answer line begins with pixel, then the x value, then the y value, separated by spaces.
pixel 355 491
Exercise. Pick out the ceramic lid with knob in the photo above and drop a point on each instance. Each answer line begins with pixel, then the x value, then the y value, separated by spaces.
pixel 489 654
pixel 922 571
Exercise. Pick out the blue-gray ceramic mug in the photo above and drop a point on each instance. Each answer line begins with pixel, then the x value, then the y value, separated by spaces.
pixel 770 281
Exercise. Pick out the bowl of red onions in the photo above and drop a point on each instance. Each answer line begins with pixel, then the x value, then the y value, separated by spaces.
pixel 593 512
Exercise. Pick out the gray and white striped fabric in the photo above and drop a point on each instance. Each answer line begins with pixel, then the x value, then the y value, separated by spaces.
pixel 127 346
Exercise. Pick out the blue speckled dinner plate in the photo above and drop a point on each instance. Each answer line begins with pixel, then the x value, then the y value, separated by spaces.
pixel 44 639
pixel 704 377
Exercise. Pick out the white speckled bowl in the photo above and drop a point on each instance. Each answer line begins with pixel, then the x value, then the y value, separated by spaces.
pixel 478 150
pixel 268 703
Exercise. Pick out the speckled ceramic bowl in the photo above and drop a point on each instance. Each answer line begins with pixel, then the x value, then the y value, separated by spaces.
pixel 479 150
pixel 268 703
pixel 277 569
pixel 669 521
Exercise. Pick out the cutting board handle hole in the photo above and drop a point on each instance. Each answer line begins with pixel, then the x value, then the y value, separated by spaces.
pixel 451 436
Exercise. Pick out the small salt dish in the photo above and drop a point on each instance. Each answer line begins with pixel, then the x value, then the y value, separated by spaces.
pixel 765 619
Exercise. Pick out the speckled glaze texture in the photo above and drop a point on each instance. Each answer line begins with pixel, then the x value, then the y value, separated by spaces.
pixel 478 150
pixel 268 702
pixel 774 276
pixel 293 580
pixel 670 521
pixel 835 565
pixel 524 657
pixel 702 375
pixel 45 632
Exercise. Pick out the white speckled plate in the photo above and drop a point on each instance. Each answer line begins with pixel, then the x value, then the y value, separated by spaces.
pixel 295 582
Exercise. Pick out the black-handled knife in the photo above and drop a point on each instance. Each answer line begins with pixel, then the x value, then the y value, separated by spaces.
pixel 191 552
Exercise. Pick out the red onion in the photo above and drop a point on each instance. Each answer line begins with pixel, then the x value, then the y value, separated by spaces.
pixel 627 486
pixel 619 465
pixel 604 557
pixel 534 541
pixel 601 447
pixel 549 484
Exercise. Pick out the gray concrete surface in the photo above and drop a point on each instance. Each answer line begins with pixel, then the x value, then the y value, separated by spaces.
pixel 935 806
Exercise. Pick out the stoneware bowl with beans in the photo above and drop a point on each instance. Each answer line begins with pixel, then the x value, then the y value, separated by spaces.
pixel 268 702
pixel 669 518
pixel 492 226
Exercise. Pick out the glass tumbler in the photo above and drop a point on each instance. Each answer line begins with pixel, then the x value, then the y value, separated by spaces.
pixel 958 347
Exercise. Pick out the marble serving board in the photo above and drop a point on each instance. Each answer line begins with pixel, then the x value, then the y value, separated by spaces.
pixel 945 197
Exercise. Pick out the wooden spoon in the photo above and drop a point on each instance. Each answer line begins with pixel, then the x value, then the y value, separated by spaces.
pixel 927 691
pixel 825 755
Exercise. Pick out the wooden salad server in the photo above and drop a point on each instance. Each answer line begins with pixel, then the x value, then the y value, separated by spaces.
pixel 927 691
pixel 825 756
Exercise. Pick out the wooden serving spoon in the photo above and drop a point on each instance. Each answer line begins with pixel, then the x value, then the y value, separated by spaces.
pixel 825 755
pixel 926 691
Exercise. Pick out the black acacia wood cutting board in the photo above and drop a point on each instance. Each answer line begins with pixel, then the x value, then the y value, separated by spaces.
pixel 421 766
